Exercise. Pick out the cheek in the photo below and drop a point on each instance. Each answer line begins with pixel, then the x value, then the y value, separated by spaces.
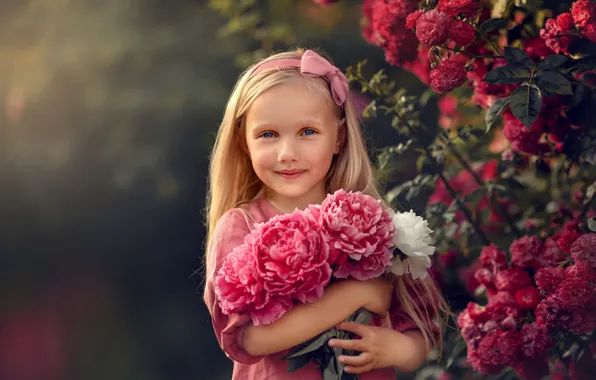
pixel 261 158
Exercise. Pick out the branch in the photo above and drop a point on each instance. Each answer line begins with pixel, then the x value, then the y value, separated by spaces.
pixel 450 189
pixel 502 212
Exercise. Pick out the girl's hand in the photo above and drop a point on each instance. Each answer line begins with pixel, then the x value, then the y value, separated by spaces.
pixel 379 347
pixel 377 294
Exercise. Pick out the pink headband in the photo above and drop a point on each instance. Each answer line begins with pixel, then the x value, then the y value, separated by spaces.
pixel 313 65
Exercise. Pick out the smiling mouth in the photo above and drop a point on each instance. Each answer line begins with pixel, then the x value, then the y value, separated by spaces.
pixel 291 174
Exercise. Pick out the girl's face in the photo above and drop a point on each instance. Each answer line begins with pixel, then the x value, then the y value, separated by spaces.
pixel 292 133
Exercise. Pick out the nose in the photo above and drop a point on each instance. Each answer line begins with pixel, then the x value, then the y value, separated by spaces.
pixel 288 151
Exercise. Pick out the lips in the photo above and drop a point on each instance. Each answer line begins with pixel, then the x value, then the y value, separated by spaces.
pixel 291 174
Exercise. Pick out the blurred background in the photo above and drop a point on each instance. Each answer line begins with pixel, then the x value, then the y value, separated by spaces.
pixel 109 111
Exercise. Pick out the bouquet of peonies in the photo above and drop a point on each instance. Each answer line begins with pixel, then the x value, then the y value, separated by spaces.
pixel 541 304
pixel 292 258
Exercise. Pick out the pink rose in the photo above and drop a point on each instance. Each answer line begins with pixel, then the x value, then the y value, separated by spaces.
pixel 432 27
pixel 448 75
pixel 461 32
pixel 455 7
pixel 282 260
pixel 583 11
pixel 359 231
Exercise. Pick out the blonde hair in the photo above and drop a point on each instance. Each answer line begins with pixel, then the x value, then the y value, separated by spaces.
pixel 233 182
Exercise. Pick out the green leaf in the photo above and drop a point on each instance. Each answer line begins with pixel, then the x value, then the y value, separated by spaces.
pixel 552 62
pixel 492 24
pixel 494 111
pixel 592 224
pixel 582 65
pixel 589 154
pixel 553 82
pixel 517 56
pixel 475 196
pixel 363 316
pixel 526 103
pixel 459 348
pixel 507 75
pixel 314 344
pixel 295 364
pixel 514 34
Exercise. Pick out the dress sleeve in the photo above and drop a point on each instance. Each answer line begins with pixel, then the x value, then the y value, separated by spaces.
pixel 228 234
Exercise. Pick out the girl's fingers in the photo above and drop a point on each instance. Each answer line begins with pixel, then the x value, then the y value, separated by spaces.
pixel 348 344
pixel 359 360
pixel 353 327
pixel 360 369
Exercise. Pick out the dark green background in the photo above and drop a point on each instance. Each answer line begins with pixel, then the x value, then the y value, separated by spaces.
pixel 109 109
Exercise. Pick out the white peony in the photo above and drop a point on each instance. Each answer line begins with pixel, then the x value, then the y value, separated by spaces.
pixel 412 238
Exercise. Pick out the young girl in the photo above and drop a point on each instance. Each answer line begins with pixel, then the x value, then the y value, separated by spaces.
pixel 290 135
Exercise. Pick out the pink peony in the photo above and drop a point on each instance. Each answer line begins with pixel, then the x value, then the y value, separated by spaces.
pixel 359 231
pixel 282 260
pixel 528 297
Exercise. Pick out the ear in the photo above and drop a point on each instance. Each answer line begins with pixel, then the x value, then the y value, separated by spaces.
pixel 341 135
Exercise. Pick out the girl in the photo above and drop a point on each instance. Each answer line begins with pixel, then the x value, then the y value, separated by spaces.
pixel 290 135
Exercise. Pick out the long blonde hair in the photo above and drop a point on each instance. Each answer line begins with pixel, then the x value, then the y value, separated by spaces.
pixel 233 182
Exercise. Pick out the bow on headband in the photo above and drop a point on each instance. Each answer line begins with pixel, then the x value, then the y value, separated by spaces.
pixel 313 65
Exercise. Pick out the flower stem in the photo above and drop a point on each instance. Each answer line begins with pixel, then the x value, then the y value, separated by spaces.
pixel 502 212
pixel 490 43
pixel 470 54
pixel 477 229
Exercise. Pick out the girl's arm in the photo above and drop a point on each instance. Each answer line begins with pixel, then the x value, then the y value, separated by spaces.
pixel 305 321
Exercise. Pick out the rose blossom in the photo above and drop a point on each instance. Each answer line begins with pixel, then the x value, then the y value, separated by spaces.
pixel 528 297
pixel 499 348
pixel 512 279
pixel 582 271
pixel 536 340
pixel 413 18
pixel 461 32
pixel 448 74
pixel 548 279
pixel 583 250
pixel 455 7
pixel 525 251
pixel 551 254
pixel 582 11
pixel 574 293
pixel 432 27
pixel 493 258
pixel 550 313
pixel 565 241
pixel 359 232
pixel 553 28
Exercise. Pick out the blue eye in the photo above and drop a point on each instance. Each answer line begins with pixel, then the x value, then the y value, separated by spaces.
pixel 309 132
pixel 267 135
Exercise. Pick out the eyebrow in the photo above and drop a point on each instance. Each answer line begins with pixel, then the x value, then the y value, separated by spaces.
pixel 265 124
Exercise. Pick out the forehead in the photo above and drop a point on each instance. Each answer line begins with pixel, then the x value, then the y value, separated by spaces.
pixel 293 98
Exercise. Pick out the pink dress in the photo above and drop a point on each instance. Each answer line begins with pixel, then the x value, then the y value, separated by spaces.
pixel 229 233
